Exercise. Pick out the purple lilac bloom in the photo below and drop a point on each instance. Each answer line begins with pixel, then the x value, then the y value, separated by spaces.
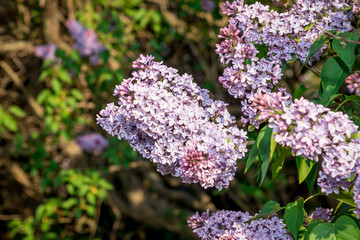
pixel 353 83
pixel 170 120
pixel 324 214
pixel 282 35
pixel 314 132
pixel 46 51
pixel 93 143
pixel 86 41
pixel 228 225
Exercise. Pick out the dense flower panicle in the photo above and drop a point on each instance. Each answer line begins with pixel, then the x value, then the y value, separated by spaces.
pixel 280 36
pixel 353 83
pixel 93 143
pixel 228 225
pixel 313 132
pixel 172 121
pixel 325 214
pixel 86 41
pixel 46 51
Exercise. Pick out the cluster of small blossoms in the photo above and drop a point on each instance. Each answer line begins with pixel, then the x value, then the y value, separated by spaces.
pixel 230 225
pixel 170 120
pixel 353 83
pixel 324 214
pixel 93 143
pixel 86 41
pixel 282 35
pixel 46 52
pixel 314 132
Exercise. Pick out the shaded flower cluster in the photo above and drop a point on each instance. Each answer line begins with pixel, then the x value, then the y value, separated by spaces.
pixel 169 119
pixel 93 143
pixel 324 214
pixel 353 83
pixel 357 192
pixel 46 52
pixel 314 132
pixel 228 225
pixel 86 41
pixel 279 36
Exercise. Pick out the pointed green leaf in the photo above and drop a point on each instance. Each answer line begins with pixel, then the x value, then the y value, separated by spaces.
pixel 304 167
pixel 268 209
pixel 253 155
pixel 346 229
pixel 266 146
pixel 346 50
pixel 310 179
pixel 17 111
pixel 294 216
pixel 333 75
pixel 323 231
pixel 9 122
pixel 344 197
pixel 278 162
pixel 318 43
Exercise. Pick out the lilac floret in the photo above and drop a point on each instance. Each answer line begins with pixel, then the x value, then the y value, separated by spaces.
pixel 170 120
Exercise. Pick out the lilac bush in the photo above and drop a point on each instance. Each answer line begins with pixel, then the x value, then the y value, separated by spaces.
pixel 45 51
pixel 93 143
pixel 173 122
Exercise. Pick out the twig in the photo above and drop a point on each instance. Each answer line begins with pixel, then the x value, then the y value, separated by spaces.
pixel 97 217
pixel 329 33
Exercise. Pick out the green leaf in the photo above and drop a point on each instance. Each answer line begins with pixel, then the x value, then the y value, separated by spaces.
pixel 333 75
pixel 266 146
pixel 310 228
pixel 322 231
pixel 91 198
pixel 278 163
pixel 56 85
pixel 90 210
pixel 17 111
pixel 346 50
pixel 76 93
pixel 9 122
pixel 69 203
pixel 294 216
pixel 299 92
pixel 344 197
pixel 346 229
pixel 310 180
pixel 268 209
pixel 41 97
pixel 304 167
pixel 253 155
pixel 64 75
pixel 318 43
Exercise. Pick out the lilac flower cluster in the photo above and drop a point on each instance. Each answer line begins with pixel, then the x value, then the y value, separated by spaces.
pixel 324 214
pixel 169 119
pixel 208 5
pixel 314 132
pixel 93 143
pixel 228 225
pixel 281 35
pixel 86 41
pixel 353 83
pixel 46 52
